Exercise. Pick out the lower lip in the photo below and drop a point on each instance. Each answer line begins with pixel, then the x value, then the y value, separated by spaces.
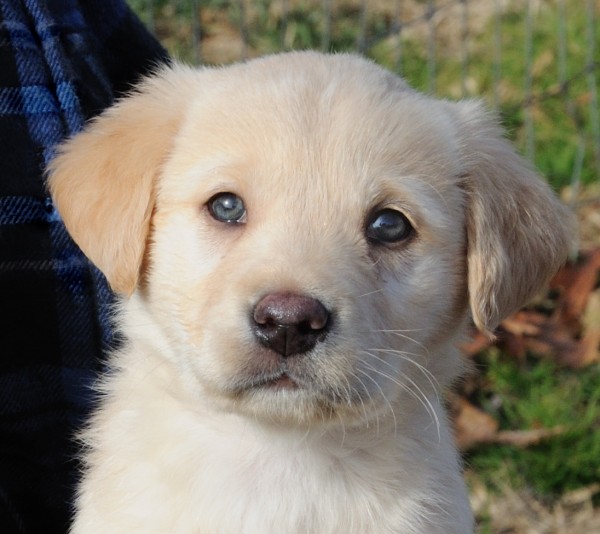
pixel 283 382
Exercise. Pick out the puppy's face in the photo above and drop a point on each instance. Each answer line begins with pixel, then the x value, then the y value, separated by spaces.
pixel 309 231
pixel 303 210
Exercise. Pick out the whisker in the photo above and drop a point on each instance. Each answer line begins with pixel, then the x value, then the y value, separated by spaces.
pixel 428 183
pixel 349 391
pixel 418 395
pixel 401 334
pixel 364 408
pixel 405 356
pixel 385 399
pixel 343 428
pixel 371 293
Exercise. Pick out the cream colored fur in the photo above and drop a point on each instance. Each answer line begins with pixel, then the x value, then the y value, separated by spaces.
pixel 313 144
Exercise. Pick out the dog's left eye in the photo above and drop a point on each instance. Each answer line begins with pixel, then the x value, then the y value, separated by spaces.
pixel 388 226
pixel 227 208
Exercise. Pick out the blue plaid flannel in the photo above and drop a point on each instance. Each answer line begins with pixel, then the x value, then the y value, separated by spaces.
pixel 61 62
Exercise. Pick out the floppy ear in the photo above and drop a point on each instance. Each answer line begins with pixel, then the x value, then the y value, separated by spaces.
pixel 518 232
pixel 102 180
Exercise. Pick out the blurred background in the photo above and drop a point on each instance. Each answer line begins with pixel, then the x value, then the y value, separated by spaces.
pixel 528 415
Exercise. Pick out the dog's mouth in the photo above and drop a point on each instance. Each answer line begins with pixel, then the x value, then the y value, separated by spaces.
pixel 284 381
pixel 288 394
pixel 269 382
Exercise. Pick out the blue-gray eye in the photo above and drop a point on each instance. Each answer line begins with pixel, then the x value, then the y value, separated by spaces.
pixel 227 208
pixel 388 226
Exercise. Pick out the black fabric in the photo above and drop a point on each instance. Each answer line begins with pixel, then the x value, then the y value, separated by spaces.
pixel 61 62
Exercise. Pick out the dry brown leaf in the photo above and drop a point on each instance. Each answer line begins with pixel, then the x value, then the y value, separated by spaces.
pixel 526 438
pixel 472 425
pixel 579 495
pixel 476 344
pixel 524 323
pixel 570 333
pixel 531 331
pixel 578 281
pixel 589 347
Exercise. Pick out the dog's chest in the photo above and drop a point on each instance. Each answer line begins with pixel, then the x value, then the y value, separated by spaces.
pixel 199 479
pixel 297 492
pixel 265 484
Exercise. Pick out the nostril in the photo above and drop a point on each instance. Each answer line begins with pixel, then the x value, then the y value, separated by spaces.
pixel 288 309
pixel 289 323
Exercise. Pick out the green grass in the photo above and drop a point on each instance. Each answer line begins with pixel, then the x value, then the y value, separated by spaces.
pixel 557 129
pixel 539 394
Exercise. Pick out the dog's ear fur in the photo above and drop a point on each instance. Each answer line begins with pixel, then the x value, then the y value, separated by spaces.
pixel 102 180
pixel 518 232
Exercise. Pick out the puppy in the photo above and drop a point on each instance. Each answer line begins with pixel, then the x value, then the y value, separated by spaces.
pixel 300 241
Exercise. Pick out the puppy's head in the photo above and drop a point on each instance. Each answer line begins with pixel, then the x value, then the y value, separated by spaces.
pixel 308 232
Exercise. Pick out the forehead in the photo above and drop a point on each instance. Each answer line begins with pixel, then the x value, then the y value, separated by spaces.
pixel 313 133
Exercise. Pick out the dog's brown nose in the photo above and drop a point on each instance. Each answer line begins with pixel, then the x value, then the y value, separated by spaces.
pixel 290 324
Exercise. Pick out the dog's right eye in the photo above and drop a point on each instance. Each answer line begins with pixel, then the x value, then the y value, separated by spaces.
pixel 227 208
pixel 388 226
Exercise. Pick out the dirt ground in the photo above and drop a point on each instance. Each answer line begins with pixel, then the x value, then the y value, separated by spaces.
pixel 521 513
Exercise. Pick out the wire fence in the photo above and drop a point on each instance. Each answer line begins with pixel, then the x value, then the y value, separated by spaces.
pixel 536 61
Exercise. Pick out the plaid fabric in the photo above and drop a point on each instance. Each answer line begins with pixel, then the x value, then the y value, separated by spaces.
pixel 61 62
